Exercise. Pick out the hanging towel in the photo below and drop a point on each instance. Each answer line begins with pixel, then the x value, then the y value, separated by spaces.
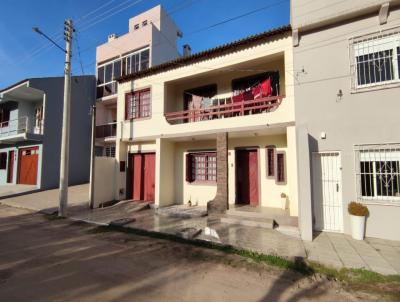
pixel 266 88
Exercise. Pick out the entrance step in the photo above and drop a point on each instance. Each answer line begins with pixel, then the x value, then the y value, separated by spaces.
pixel 252 219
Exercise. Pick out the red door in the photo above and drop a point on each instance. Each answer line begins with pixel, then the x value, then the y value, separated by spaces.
pixel 149 176
pixel 247 177
pixel 28 164
pixel 137 177
pixel 10 168
pixel 143 176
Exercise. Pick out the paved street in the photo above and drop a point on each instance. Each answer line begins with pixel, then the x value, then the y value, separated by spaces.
pixel 60 260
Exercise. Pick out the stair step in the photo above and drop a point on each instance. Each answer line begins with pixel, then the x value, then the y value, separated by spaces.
pixel 245 214
pixel 265 223
pixel 289 230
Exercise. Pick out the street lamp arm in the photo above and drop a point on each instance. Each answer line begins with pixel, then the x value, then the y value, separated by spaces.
pixel 37 30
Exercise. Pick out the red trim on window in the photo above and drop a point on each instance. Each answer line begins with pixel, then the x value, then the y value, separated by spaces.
pixel 201 167
pixel 270 160
pixel 188 168
pixel 138 104
pixel 280 163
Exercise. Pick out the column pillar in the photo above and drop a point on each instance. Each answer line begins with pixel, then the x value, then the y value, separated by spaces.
pixel 220 203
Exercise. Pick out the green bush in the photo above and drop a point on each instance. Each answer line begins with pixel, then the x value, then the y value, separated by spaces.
pixel 357 209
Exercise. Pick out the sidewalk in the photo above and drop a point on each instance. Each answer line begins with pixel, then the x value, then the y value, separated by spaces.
pixel 330 249
pixel 47 201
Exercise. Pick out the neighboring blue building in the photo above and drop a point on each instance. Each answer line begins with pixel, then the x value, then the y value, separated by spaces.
pixel 30 131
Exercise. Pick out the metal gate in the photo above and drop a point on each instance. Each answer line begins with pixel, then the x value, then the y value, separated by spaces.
pixel 327 192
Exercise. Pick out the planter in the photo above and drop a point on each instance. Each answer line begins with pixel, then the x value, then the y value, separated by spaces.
pixel 283 202
pixel 357 227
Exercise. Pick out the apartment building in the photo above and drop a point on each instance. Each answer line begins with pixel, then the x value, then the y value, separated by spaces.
pixel 347 88
pixel 216 128
pixel 151 40
pixel 30 131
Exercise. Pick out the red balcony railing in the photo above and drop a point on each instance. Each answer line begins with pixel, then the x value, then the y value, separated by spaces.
pixel 106 130
pixel 226 108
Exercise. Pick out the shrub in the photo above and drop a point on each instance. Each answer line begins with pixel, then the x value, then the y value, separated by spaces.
pixel 357 209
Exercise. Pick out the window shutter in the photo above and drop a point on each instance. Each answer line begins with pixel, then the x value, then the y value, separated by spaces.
pixel 280 161
pixel 189 168
pixel 270 160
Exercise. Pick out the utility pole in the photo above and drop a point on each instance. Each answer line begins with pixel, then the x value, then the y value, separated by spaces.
pixel 64 159
pixel 92 157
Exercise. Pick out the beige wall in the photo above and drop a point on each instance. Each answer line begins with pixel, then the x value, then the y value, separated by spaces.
pixel 306 13
pixel 104 184
pixel 354 119
pixel 166 90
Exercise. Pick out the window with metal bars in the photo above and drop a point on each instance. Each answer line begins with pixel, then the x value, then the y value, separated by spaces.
pixel 270 154
pixel 109 151
pixel 137 104
pixel 378 172
pixel 375 59
pixel 280 167
pixel 201 166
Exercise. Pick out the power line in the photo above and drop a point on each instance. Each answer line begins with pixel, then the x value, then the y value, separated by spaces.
pixel 237 17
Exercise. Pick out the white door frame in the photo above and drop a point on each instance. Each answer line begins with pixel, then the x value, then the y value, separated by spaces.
pixel 339 229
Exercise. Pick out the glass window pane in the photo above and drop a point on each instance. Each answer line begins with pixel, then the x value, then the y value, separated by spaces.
pixel 117 69
pixel 108 73
pixel 144 59
pixel 100 75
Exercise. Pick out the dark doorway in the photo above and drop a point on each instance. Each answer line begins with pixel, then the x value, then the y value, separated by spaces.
pixel 247 177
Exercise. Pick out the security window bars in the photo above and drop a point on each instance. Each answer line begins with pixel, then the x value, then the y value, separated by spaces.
pixel 378 172
pixel 375 59
pixel 109 151
pixel 270 160
pixel 203 166
pixel 137 104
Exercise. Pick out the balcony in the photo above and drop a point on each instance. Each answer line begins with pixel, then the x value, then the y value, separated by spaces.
pixel 107 131
pixel 225 108
pixel 20 129
pixel 106 90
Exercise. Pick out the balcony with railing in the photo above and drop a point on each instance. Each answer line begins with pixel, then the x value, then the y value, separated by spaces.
pixel 237 93
pixel 20 129
pixel 226 108
pixel 107 131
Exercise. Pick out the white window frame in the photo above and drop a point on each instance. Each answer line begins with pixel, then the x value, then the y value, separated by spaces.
pixel 377 153
pixel 372 43
pixel 128 71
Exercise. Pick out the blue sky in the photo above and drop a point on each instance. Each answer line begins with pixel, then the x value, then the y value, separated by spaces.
pixel 24 54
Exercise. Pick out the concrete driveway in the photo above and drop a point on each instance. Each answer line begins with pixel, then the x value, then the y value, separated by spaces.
pixel 12 190
pixel 47 201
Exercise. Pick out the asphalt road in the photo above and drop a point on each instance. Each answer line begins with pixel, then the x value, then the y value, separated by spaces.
pixel 59 260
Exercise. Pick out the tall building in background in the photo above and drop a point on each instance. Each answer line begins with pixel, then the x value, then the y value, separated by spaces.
pixel 151 40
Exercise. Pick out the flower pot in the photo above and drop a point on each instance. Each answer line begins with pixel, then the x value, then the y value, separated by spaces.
pixel 283 202
pixel 357 227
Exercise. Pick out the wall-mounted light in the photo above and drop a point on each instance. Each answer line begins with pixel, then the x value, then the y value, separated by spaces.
pixel 339 95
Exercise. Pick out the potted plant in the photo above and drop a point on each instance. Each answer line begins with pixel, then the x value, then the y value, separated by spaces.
pixel 357 212
pixel 283 200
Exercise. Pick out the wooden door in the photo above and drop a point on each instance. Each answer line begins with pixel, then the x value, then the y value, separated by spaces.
pixel 149 176
pixel 28 164
pixel 10 167
pixel 327 192
pixel 247 177
pixel 137 177
pixel 143 176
